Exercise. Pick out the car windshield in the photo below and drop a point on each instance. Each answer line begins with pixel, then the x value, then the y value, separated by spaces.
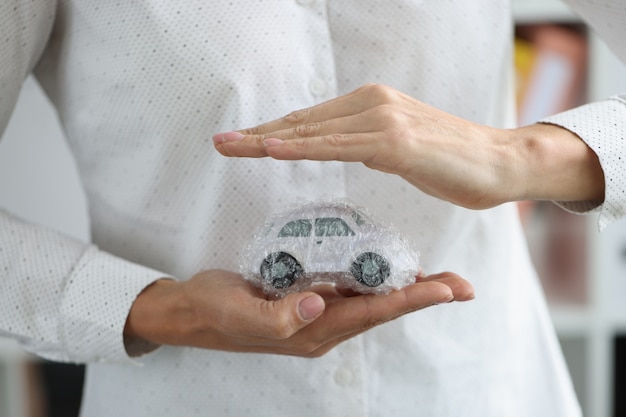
pixel 358 218
pixel 296 228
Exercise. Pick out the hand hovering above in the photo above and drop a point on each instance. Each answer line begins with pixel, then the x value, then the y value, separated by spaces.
pixel 468 164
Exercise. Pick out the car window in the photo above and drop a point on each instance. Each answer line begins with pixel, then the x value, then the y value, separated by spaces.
pixel 332 226
pixel 296 228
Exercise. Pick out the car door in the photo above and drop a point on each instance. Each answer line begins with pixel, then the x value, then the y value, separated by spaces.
pixel 295 238
pixel 334 239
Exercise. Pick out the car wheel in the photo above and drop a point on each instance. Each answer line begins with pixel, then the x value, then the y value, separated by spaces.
pixel 281 269
pixel 370 269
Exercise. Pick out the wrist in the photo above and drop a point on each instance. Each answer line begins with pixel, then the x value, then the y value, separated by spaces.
pixel 553 163
pixel 159 315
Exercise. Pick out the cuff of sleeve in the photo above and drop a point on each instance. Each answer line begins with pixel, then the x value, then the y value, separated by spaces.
pixel 602 126
pixel 96 303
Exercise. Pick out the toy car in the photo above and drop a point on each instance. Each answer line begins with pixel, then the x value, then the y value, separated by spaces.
pixel 328 242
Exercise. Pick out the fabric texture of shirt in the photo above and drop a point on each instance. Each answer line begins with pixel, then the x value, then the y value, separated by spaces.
pixel 140 87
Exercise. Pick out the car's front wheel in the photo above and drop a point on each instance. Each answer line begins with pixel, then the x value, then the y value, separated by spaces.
pixel 370 269
pixel 281 269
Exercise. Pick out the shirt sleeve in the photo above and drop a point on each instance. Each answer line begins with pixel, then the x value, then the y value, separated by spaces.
pixel 24 30
pixel 62 299
pixel 602 125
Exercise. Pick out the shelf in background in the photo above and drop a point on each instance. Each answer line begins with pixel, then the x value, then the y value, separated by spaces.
pixel 571 321
pixel 542 11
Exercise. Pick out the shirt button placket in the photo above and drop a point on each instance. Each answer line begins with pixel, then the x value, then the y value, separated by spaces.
pixel 347 376
pixel 318 86
pixel 348 373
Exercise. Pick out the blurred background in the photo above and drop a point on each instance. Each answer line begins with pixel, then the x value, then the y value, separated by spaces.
pixel 560 64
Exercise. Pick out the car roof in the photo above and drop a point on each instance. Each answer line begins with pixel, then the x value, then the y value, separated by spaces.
pixel 325 209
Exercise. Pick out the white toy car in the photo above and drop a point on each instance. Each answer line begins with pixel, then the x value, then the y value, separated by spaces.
pixel 328 242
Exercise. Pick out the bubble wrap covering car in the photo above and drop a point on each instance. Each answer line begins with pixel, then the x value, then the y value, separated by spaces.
pixel 330 242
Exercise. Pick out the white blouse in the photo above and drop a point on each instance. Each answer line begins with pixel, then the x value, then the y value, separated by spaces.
pixel 140 87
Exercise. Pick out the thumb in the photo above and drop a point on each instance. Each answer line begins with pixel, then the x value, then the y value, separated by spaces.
pixel 293 312
pixel 310 307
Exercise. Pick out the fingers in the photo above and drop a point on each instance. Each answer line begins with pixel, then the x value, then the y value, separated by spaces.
pixel 237 144
pixel 220 310
pixel 417 297
pixel 350 139
pixel 311 323
pixel 367 311
pixel 285 317
pixel 300 123
pixel 461 289
pixel 272 320
pixel 321 322
pixel 354 147
pixel 334 116
pixel 361 313
pixel 339 107
pixel 342 317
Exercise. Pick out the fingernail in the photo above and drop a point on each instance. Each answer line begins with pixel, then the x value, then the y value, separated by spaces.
pixel 420 274
pixel 273 142
pixel 311 307
pixel 449 298
pixel 227 137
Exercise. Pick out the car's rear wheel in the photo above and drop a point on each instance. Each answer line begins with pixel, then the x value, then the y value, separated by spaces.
pixel 281 269
pixel 370 269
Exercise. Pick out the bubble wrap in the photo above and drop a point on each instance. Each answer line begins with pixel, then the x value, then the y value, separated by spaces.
pixel 329 242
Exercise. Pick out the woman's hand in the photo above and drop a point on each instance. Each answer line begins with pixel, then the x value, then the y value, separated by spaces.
pixel 466 163
pixel 220 310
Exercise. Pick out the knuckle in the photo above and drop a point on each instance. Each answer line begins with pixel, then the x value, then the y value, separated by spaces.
pixel 307 130
pixel 279 324
pixel 333 142
pixel 370 318
pixel 380 92
pixel 371 323
pixel 335 139
pixel 252 131
pixel 282 329
pixel 297 117
pixel 369 87
pixel 388 113
pixel 393 121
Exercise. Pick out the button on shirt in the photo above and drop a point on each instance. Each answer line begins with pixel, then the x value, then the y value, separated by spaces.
pixel 141 86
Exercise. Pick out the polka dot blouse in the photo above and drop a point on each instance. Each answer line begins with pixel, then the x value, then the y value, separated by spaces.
pixel 141 86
